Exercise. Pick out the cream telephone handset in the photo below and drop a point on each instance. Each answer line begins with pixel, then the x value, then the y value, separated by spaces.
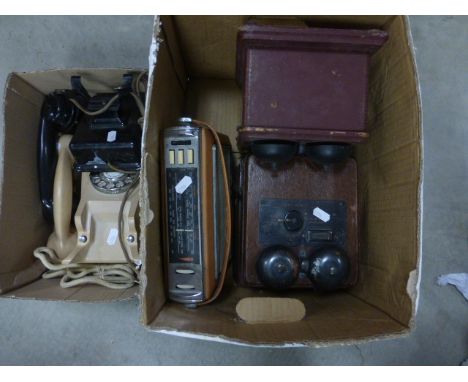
pixel 63 239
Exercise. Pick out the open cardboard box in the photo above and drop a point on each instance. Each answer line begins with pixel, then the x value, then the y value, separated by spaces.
pixel 193 74
pixel 22 227
pixel 192 71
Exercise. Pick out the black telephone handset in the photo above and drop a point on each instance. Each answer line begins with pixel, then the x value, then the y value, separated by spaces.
pixel 59 116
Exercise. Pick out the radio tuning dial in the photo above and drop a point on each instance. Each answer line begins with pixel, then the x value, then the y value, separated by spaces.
pixel 293 221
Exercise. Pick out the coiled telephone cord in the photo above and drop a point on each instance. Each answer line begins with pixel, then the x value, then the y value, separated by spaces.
pixel 114 276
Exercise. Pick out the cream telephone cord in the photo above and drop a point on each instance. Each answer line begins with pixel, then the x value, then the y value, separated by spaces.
pixel 114 276
pixel 138 101
pixel 135 93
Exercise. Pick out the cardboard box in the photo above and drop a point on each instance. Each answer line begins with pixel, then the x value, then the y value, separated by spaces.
pixel 192 71
pixel 22 227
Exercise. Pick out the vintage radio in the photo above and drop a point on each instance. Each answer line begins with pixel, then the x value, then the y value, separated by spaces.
pixel 297 226
pixel 304 84
pixel 197 217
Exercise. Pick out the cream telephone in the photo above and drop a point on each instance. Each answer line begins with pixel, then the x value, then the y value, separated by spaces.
pixel 89 162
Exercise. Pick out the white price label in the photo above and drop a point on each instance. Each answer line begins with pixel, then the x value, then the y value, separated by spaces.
pixel 112 237
pixel 183 184
pixel 111 136
pixel 321 214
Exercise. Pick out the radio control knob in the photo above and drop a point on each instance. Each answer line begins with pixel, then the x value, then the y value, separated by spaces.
pixel 293 221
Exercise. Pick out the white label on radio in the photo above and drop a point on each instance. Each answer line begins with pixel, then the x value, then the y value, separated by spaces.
pixel 183 184
pixel 111 136
pixel 321 214
pixel 112 237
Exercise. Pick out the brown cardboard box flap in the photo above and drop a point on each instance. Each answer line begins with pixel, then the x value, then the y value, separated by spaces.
pixel 50 290
pixel 14 280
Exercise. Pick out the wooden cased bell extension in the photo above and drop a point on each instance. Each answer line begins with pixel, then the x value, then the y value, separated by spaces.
pixel 304 84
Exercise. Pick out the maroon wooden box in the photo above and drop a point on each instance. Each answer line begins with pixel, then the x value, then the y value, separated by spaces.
pixel 304 84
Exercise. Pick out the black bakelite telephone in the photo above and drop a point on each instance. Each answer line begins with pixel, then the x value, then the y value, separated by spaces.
pixel 93 145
